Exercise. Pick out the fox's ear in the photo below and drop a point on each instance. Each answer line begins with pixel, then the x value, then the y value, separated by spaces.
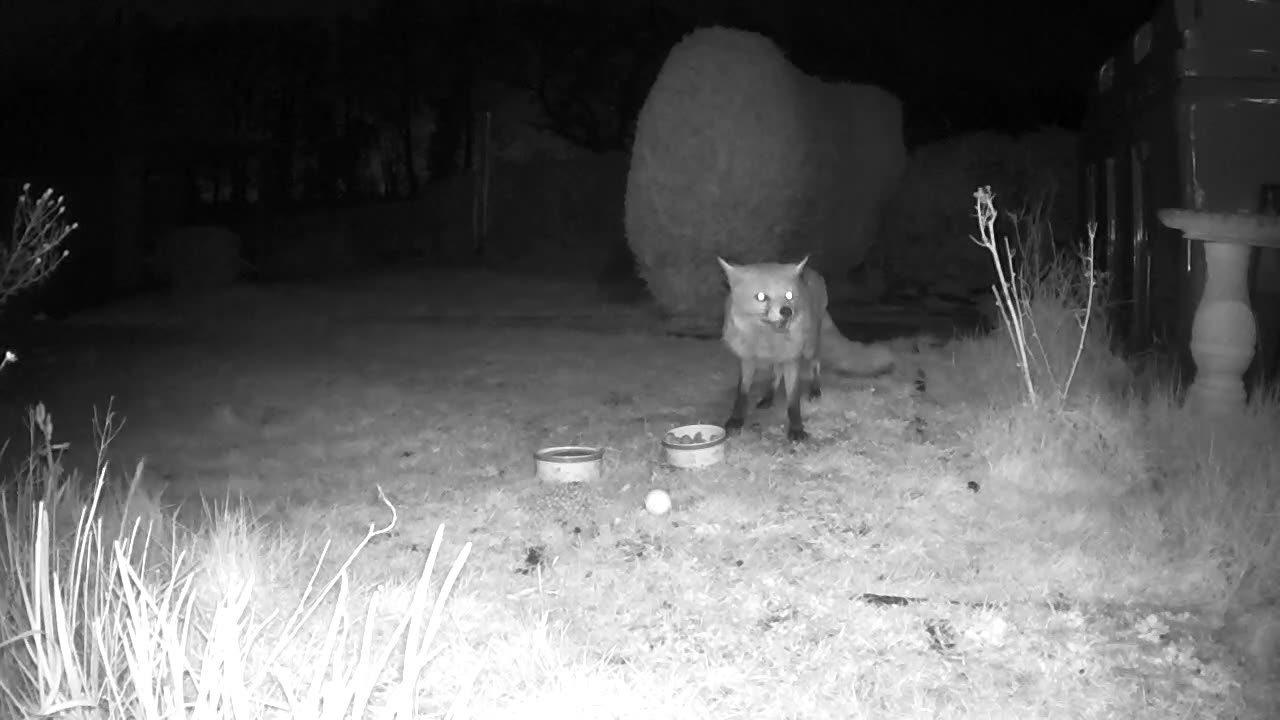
pixel 800 265
pixel 729 268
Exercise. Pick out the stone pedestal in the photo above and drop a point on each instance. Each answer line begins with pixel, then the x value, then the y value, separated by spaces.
pixel 1223 331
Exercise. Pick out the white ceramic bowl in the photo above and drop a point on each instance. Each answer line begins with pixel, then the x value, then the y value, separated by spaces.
pixel 694 446
pixel 568 464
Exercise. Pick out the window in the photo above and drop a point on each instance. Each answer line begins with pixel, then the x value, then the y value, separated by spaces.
pixel 1111 235
pixel 1141 43
pixel 1141 256
pixel 1106 75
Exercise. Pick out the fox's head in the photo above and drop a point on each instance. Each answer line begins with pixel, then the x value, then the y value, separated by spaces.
pixel 772 293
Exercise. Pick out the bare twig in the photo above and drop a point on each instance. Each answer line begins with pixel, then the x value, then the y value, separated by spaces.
pixel 35 248
pixel 1086 257
pixel 1008 298
pixel 1036 274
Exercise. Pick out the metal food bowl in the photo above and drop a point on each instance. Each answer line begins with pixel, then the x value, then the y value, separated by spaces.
pixel 694 446
pixel 568 464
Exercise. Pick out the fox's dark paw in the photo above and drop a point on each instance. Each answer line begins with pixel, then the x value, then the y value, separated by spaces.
pixel 815 393
pixel 732 426
pixel 795 434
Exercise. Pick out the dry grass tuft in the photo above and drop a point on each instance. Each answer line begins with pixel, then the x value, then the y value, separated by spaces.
pixel 108 620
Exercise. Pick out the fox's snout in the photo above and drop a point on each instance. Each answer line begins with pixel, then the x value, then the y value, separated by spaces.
pixel 779 317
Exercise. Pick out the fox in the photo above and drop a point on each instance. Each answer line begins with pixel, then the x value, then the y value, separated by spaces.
pixel 776 317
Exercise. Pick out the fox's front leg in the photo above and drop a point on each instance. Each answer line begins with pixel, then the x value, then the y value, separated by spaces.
pixel 815 368
pixel 791 384
pixel 815 384
pixel 746 375
pixel 767 400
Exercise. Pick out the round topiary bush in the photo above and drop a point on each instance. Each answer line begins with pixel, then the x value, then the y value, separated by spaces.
pixel 856 158
pixel 739 154
pixel 716 166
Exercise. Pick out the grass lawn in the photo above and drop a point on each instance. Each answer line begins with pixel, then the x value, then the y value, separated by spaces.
pixel 933 552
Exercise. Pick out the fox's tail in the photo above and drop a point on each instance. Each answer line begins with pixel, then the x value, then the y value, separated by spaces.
pixel 843 355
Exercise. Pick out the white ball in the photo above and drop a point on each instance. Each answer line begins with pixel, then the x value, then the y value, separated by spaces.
pixel 657 502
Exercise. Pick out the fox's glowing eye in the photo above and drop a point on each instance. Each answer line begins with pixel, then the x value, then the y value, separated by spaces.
pixel 761 297
pixel 790 296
